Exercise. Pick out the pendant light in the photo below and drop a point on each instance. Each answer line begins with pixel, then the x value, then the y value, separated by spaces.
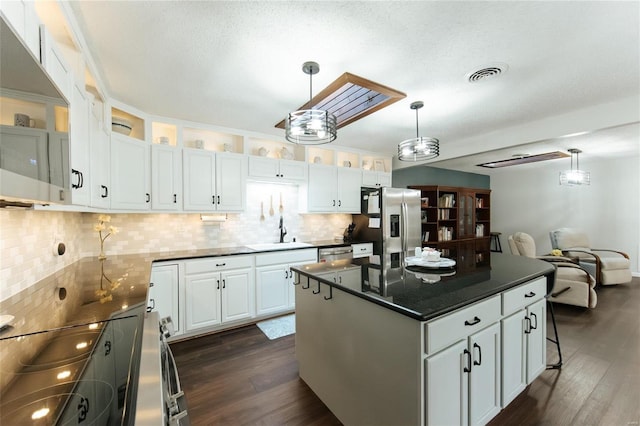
pixel 575 176
pixel 418 148
pixel 310 126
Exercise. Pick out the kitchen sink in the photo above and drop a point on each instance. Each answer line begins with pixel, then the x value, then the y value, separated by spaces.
pixel 278 246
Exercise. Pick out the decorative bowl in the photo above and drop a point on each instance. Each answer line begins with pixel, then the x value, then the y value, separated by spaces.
pixel 121 125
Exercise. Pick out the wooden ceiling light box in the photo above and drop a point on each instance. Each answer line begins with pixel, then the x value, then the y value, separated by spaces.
pixel 351 97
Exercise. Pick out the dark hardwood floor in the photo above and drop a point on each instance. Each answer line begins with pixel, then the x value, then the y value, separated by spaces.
pixel 239 377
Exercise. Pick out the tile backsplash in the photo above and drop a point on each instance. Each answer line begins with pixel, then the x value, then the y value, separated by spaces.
pixel 28 238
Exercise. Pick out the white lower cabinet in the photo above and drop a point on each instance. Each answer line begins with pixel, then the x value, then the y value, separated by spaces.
pixel 450 370
pixel 163 295
pixel 272 292
pixel 202 300
pixel 274 279
pixel 352 275
pixel 524 337
pixel 463 381
pixel 218 290
pixel 207 293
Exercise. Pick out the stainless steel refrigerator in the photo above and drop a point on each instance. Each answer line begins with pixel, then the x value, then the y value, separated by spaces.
pixel 390 217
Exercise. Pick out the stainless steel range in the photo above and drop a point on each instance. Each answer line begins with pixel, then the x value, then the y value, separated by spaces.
pixel 72 354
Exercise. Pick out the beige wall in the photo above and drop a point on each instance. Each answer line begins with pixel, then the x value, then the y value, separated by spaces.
pixel 27 237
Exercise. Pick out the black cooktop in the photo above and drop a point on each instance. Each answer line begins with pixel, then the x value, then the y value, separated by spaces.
pixel 76 364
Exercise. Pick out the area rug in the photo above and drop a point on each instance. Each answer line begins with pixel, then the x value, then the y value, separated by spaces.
pixel 278 327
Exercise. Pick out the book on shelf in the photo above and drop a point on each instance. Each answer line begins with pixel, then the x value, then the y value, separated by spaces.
pixel 480 230
pixel 445 233
pixel 443 214
pixel 446 200
pixel 425 236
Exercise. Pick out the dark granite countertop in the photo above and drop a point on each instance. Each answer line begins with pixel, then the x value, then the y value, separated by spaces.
pixel 427 294
pixel 233 251
pixel 96 290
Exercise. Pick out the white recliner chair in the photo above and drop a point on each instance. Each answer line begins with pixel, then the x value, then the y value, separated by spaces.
pixel 607 266
pixel 573 284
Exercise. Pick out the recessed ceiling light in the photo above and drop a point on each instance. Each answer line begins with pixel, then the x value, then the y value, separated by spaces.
pixel 487 72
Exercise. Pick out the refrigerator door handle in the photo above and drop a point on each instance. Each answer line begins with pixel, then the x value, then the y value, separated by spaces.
pixel 405 225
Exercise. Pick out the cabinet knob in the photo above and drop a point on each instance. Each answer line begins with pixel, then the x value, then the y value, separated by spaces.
pixel 148 197
pixel 105 191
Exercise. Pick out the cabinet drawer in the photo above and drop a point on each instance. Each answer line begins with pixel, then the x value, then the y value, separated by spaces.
pixel 523 295
pixel 362 250
pixel 212 264
pixel 443 332
pixel 287 257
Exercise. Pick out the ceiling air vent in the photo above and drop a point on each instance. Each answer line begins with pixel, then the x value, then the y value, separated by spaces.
pixel 486 72
pixel 524 159
pixel 350 98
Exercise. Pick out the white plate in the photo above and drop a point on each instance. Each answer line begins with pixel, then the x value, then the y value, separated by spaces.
pixel 419 261
pixel 5 320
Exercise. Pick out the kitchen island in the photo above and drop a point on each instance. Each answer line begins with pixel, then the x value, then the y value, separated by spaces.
pixel 434 347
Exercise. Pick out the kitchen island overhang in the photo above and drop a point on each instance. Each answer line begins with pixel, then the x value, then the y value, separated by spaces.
pixel 396 359
pixel 424 301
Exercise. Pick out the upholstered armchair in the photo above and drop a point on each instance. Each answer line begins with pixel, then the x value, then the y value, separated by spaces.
pixel 607 266
pixel 573 284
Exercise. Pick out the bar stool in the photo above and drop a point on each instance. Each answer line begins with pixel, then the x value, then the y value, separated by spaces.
pixel 494 243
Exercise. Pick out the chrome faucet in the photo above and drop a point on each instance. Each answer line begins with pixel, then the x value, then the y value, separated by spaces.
pixel 283 230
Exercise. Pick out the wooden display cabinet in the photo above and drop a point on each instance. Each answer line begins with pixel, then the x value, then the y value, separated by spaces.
pixel 457 221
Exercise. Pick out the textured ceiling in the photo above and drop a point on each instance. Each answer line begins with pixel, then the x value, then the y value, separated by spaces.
pixel 573 66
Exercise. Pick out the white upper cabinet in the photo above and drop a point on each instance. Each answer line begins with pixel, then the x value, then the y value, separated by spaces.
pixel 213 181
pixel 199 176
pixel 130 176
pixel 231 176
pixel 21 15
pixel 54 63
pixel 275 170
pixel 166 178
pixel 333 189
pixel 79 146
pixel 374 179
pixel 100 163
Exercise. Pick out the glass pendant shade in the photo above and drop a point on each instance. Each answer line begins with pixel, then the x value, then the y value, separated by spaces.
pixel 575 176
pixel 311 126
pixel 418 148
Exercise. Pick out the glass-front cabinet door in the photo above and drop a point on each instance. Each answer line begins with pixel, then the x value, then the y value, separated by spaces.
pixel 465 216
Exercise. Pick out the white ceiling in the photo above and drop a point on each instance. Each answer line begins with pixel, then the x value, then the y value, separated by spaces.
pixel 573 67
